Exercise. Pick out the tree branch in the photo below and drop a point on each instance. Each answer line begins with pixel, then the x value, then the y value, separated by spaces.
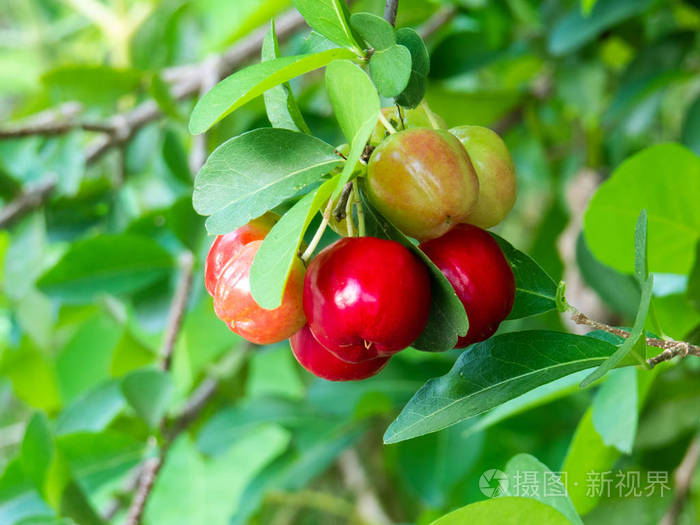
pixel 177 309
pixel 441 17
pixel 684 478
pixel 671 348
pixel 390 11
pixel 369 507
pixel 187 81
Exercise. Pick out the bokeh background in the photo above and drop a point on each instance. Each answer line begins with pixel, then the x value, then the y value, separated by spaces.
pixel 95 157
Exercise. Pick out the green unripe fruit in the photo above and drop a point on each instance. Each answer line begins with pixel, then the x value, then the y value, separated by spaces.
pixel 412 118
pixel 496 171
pixel 422 181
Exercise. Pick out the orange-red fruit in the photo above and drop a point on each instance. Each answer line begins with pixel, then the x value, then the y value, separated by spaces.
pixel 234 304
pixel 496 171
pixel 225 247
pixel 422 181
pixel 322 363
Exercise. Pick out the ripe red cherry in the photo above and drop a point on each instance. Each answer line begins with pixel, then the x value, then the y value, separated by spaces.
pixel 234 304
pixel 225 247
pixel 366 297
pixel 322 363
pixel 480 274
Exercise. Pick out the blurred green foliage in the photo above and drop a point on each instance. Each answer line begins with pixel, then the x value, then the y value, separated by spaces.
pixel 88 274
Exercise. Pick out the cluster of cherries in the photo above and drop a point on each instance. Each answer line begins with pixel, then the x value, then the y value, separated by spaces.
pixel 363 299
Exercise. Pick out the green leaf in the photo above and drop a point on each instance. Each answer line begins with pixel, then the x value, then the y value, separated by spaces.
pixel 693 290
pixel 448 319
pixel 273 262
pixel 493 372
pixel 330 18
pixel 374 30
pixel 148 392
pixel 93 411
pixel 281 106
pixel 576 29
pixel 106 264
pixel 588 453
pixel 548 488
pixel 587 6
pixel 296 468
pixel 634 349
pixel 414 92
pixel 33 376
pixel 160 91
pixel 246 84
pixel 535 291
pixel 98 85
pixel 432 465
pixel 37 449
pixel 615 409
pixel 356 105
pixel 175 157
pixel 690 135
pixel 534 398
pixel 229 425
pixel 663 179
pixel 195 489
pixel 254 172
pixel 391 69
pixel 619 291
pixel 505 511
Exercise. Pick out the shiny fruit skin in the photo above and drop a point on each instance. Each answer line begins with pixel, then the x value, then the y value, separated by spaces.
pixel 412 118
pixel 226 246
pixel 479 273
pixel 322 363
pixel 496 171
pixel 234 304
pixel 366 297
pixel 422 181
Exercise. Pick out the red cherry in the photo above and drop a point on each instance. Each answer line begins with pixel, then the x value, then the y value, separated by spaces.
pixel 480 274
pixel 225 247
pixel 322 363
pixel 366 297
pixel 234 304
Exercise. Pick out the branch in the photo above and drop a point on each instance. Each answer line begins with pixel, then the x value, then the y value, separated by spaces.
pixel 177 309
pixel 441 17
pixel 390 11
pixel 187 81
pixel 369 507
pixel 671 348
pixel 684 478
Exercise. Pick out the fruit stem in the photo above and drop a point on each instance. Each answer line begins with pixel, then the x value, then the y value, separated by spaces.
pixel 431 116
pixel 360 209
pixel 387 124
pixel 319 232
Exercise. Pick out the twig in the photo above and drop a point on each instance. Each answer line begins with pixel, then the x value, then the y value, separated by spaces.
pixel 390 11
pixel 441 17
pixel 147 478
pixel 177 309
pixel 671 348
pixel 369 507
pixel 340 209
pixel 683 477
pixel 187 82
pixel 30 199
pixel 319 232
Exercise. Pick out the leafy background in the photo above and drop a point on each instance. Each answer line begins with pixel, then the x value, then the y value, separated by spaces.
pixel 586 94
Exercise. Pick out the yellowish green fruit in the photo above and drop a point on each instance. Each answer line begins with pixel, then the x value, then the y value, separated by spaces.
pixel 422 181
pixel 412 118
pixel 496 171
